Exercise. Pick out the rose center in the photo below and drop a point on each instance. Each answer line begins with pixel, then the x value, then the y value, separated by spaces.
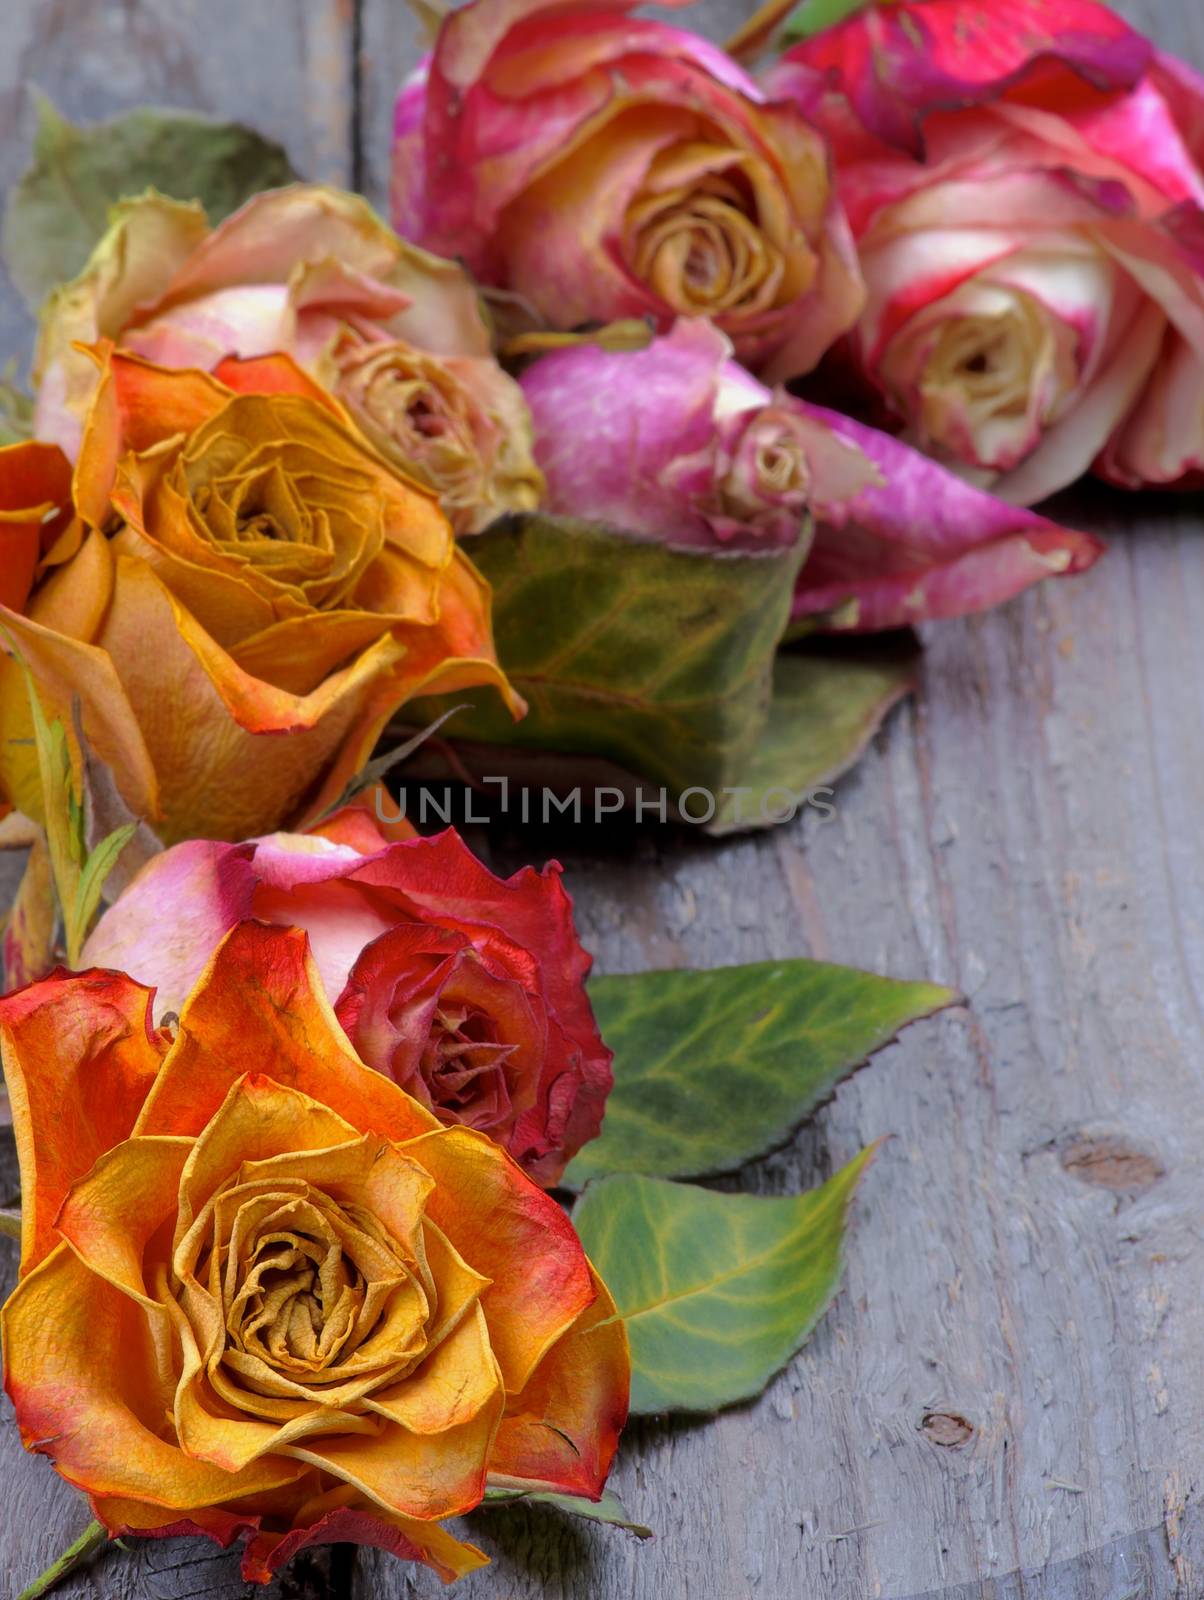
pixel 698 242
pixel 994 374
pixel 463 1065
pixel 769 476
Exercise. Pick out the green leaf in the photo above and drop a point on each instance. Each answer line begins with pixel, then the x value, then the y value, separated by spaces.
pixel 656 659
pixel 610 1509
pixel 826 707
pixel 92 880
pixel 10 1224
pixel 60 207
pixel 714 1068
pixel 718 1291
pixel 813 16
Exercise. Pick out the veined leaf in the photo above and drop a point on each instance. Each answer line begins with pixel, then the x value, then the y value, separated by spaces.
pixel 60 207
pixel 826 708
pixel 718 1291
pixel 609 1509
pixel 641 662
pixel 656 659
pixel 714 1068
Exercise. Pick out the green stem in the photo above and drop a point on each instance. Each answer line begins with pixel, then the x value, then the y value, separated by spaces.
pixel 86 1546
pixel 10 1224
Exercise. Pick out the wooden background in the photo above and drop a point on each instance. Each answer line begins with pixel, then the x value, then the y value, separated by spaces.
pixel 1007 1400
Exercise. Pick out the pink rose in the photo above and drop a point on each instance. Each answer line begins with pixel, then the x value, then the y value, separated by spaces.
pixel 466 989
pixel 397 334
pixel 601 166
pixel 1024 183
pixel 686 446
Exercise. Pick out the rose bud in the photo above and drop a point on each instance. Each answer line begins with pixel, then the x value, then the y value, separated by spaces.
pixel 604 166
pixel 467 990
pixel 398 335
pixel 1025 186
pixel 687 447
pixel 235 563
pixel 265 1294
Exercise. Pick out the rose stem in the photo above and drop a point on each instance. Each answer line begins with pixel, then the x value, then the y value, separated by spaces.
pixel 86 1546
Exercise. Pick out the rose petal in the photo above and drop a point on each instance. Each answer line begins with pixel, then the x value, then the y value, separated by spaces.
pixel 404 1537
pixel 218 776
pixel 89 1394
pixel 514 1234
pixel 143 928
pixel 79 1059
pixel 898 63
pixel 148 239
pixel 259 1008
pixel 924 544
pixel 35 486
pixel 66 670
pixel 111 1214
pixel 561 1431
pixel 413 1474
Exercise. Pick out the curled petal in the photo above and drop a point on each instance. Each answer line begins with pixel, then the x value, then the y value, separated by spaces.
pixel 91 1395
pixel 67 670
pixel 405 1537
pixel 269 1550
pixel 560 1432
pixel 218 775
pixel 897 63
pixel 35 490
pixel 924 544
pixel 148 239
pixel 260 1009
pixel 113 1212
pixel 514 1234
pixel 79 1060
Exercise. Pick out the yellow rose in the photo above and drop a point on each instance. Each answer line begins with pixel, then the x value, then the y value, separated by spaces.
pixel 238 565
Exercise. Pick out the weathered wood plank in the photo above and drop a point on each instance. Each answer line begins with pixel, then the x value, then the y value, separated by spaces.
pixel 283 65
pixel 1029 831
pixel 1025 832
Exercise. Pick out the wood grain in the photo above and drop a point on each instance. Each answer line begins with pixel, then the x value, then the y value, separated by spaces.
pixel 284 66
pixel 1005 1401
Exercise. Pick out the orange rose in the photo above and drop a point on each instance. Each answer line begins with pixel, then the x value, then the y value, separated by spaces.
pixel 400 336
pixel 264 1292
pixel 234 562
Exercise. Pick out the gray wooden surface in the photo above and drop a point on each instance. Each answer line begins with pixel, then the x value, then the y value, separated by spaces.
pixel 1007 1400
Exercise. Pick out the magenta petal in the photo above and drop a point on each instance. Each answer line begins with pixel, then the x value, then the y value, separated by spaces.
pixel 925 545
pixel 407 192
pixel 1182 88
pixel 898 63
pixel 612 430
